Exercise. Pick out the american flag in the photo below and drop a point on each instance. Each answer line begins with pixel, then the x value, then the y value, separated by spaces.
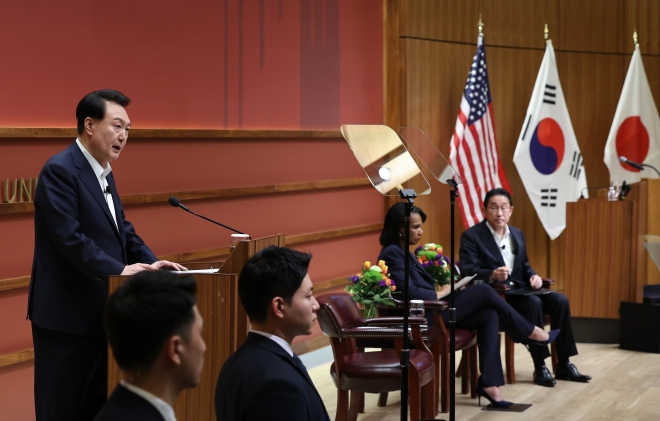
pixel 473 150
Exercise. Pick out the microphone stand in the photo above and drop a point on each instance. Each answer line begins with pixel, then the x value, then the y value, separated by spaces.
pixel 409 195
pixel 654 168
pixel 453 194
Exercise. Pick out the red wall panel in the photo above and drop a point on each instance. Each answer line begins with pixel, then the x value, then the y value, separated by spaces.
pixel 195 64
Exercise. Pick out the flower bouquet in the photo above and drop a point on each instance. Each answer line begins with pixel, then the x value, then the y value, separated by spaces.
pixel 435 263
pixel 371 288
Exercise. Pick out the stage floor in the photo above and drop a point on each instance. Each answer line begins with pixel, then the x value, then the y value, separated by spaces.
pixel 625 386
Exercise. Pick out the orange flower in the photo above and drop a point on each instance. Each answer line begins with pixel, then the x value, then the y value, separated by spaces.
pixel 367 265
pixel 393 287
pixel 388 282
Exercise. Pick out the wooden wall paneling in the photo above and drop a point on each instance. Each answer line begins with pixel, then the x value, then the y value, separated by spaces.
pixel 445 20
pixel 515 23
pixel 652 227
pixel 394 63
pixel 592 26
pixel 597 271
pixel 592 86
pixel 507 22
pixel 643 16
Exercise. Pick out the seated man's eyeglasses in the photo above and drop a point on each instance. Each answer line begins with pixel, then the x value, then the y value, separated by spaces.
pixel 495 210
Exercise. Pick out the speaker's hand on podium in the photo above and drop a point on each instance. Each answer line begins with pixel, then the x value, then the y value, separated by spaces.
pixel 166 264
pixel 135 268
pixel 159 265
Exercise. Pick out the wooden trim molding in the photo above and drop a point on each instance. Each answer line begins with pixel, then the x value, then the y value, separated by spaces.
pixel 16 357
pixel 207 254
pixel 60 132
pixel 13 283
pixel 323 286
pixel 245 191
pixel 135 199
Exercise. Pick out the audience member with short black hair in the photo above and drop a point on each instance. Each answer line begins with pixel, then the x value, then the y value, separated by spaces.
pixel 264 379
pixel 155 332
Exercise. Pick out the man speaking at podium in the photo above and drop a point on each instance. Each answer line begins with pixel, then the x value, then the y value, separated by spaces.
pixel 81 238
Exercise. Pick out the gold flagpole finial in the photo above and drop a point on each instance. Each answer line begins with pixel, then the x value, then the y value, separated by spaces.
pixel 480 25
pixel 546 33
pixel 635 39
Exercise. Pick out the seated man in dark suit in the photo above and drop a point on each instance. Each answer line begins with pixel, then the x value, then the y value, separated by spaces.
pixel 155 331
pixel 496 252
pixel 264 379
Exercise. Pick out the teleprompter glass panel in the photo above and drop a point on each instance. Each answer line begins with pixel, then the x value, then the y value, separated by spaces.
pixel 386 161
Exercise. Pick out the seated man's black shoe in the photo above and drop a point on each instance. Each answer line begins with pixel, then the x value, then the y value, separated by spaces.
pixel 568 371
pixel 542 377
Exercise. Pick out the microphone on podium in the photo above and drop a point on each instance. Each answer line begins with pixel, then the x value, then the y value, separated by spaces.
pixel 631 163
pixel 638 165
pixel 174 201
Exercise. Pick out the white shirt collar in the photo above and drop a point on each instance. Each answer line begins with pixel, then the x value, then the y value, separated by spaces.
pixel 280 341
pixel 163 407
pixel 99 171
pixel 496 236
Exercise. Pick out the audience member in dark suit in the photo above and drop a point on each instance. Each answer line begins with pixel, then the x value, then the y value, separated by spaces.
pixel 496 252
pixel 264 379
pixel 478 307
pixel 81 237
pixel 155 331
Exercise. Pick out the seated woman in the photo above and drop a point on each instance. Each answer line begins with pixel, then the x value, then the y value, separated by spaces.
pixel 478 307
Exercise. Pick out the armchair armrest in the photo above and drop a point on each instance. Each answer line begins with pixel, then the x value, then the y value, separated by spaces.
pixel 371 332
pixel 394 321
pixel 434 305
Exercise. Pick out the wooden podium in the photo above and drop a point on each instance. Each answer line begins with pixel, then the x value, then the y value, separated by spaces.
pixel 604 260
pixel 225 326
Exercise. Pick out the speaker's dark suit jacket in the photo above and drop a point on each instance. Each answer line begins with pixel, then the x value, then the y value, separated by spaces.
pixel 480 255
pixel 124 405
pixel 261 381
pixel 77 245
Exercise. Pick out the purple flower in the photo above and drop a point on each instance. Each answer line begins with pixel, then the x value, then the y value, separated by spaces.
pixel 354 279
pixel 382 283
pixel 418 249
